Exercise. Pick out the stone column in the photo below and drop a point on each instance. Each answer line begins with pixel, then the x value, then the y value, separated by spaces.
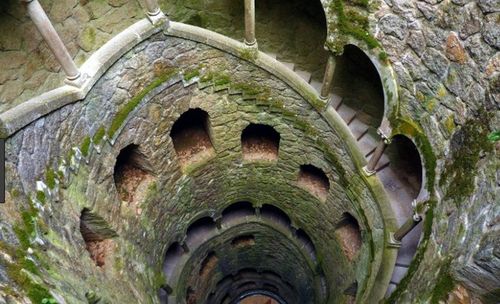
pixel 384 131
pixel 408 226
pixel 250 23
pixel 328 78
pixel 372 163
pixel 218 222
pixel 154 12
pixel 49 34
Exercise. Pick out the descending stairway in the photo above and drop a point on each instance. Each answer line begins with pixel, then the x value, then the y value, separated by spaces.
pixel 399 194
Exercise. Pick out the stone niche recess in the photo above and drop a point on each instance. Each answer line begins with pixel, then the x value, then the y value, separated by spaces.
pixel 315 181
pixel 132 176
pixel 191 137
pixel 97 236
pixel 349 235
pixel 260 142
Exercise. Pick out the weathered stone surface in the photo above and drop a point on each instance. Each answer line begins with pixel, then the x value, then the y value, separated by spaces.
pixel 393 25
pixel 454 49
pixel 436 62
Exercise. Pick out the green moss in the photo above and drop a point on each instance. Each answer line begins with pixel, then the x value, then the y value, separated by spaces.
pixel 50 178
pixel 248 54
pixel 40 196
pixel 444 285
pixel 383 57
pixel 123 113
pixel 22 265
pixel 494 136
pixel 99 135
pixel 467 144
pixel 249 89
pixel 190 74
pixel 84 148
pixel 353 23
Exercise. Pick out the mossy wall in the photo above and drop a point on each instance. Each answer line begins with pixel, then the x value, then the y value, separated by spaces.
pixel 177 196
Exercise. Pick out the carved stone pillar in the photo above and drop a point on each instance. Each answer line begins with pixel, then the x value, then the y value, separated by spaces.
pixel 154 12
pixel 49 34
pixel 326 88
pixel 250 23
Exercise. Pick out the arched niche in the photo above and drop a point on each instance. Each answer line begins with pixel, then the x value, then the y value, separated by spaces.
pixel 132 175
pixel 406 162
pixel 200 230
pixel 260 142
pixel 172 258
pixel 275 214
pixel 358 82
pixel 315 181
pixel 97 235
pixel 191 136
pixel 294 30
pixel 237 211
pixel 349 235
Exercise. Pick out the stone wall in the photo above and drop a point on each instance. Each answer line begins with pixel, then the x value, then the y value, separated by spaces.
pixel 144 93
pixel 29 67
pixel 445 55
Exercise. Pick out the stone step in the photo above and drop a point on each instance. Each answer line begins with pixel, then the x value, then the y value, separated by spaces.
pixel 367 143
pixel 335 101
pixel 357 128
pixel 345 112
pixel 304 75
pixel 316 85
pixel 398 274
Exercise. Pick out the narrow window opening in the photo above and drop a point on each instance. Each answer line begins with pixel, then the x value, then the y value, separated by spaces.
pixel 191 137
pixel 243 241
pixel 132 176
pixel 260 142
pixel 349 235
pixel 97 236
pixel 315 181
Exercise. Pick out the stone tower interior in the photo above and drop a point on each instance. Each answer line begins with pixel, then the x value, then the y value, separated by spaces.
pixel 250 151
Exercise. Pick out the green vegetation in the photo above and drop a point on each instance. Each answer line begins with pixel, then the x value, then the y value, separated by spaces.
pixel 85 147
pixel 467 144
pixel 99 135
pixel 192 73
pixel 50 178
pixel 123 113
pixel 22 265
pixel 351 22
pixel 40 196
pixel 494 136
pixel 444 285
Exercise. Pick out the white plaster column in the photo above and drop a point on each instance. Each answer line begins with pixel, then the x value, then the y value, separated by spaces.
pixel 49 34
pixel 154 12
pixel 328 78
pixel 250 23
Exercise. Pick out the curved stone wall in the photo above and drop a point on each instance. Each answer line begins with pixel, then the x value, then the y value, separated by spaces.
pixel 442 95
pixel 137 101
